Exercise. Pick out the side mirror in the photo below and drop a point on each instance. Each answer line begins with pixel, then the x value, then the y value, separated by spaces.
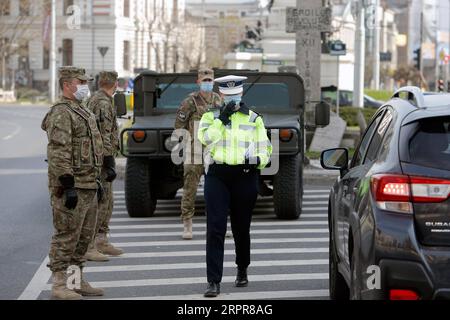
pixel 334 159
pixel 322 114
pixel 120 102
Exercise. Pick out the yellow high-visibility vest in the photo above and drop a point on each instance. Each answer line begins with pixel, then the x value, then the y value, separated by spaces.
pixel 245 135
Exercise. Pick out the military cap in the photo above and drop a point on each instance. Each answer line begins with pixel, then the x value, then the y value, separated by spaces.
pixel 204 74
pixel 231 85
pixel 69 72
pixel 108 76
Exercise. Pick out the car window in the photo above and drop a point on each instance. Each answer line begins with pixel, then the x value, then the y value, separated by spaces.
pixel 362 148
pixel 378 136
pixel 258 96
pixel 429 145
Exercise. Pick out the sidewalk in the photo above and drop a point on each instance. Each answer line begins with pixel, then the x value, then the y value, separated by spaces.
pixel 312 173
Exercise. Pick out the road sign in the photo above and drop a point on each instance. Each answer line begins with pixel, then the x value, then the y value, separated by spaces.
pixel 103 51
pixel 273 62
pixel 386 56
pixel 338 48
pixel 254 50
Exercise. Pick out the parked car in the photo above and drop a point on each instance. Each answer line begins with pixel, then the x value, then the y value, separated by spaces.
pixel 390 209
pixel 346 98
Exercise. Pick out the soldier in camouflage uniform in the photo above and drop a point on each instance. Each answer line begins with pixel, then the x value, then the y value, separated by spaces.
pixel 188 116
pixel 75 155
pixel 101 104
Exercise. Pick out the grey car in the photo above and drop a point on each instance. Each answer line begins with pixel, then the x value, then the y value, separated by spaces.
pixel 389 211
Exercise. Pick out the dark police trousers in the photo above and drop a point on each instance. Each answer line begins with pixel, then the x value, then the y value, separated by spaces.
pixel 228 189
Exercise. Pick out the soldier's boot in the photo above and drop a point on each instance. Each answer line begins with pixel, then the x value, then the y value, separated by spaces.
pixel 103 246
pixel 93 255
pixel 87 290
pixel 59 288
pixel 187 232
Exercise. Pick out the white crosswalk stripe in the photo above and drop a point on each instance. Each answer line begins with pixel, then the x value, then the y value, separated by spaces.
pixel 289 258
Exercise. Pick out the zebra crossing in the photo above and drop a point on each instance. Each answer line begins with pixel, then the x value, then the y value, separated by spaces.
pixel 289 258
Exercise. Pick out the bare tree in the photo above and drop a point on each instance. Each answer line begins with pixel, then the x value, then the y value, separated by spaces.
pixel 175 41
pixel 14 30
pixel 193 44
pixel 162 29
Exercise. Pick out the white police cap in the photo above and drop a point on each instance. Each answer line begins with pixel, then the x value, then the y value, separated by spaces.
pixel 231 85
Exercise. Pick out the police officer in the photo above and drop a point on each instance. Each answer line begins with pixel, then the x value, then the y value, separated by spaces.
pixel 75 155
pixel 190 113
pixel 101 104
pixel 238 146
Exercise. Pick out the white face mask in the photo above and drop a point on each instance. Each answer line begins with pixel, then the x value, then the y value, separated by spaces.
pixel 82 92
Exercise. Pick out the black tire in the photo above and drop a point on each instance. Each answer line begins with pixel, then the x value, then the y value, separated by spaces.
pixel 138 195
pixel 338 287
pixel 288 188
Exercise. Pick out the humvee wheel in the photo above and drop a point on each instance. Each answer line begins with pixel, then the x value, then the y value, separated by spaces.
pixel 138 195
pixel 288 188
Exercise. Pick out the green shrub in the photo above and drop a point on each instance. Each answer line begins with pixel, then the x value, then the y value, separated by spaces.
pixel 349 114
pixel 27 93
pixel 381 95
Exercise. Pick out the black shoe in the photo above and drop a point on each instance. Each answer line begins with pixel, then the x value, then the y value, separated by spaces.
pixel 213 290
pixel 241 278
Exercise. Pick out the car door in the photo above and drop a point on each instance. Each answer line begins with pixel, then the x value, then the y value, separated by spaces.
pixel 350 181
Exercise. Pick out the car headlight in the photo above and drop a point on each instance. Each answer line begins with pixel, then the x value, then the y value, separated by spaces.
pixel 139 136
pixel 170 144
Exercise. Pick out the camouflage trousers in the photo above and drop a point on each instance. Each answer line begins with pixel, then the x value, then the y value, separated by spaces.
pixel 105 207
pixel 192 175
pixel 74 229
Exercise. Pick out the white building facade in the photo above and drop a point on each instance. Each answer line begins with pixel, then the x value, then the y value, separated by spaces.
pixel 138 34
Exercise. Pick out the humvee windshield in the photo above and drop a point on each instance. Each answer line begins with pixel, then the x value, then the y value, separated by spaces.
pixel 259 95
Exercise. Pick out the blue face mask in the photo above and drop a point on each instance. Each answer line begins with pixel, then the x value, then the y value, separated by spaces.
pixel 206 86
pixel 236 98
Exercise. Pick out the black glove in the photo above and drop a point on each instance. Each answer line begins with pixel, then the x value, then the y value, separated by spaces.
pixel 100 191
pixel 68 184
pixel 227 112
pixel 109 164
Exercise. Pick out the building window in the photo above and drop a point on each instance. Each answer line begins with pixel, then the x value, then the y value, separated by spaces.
pixel 221 14
pixel 67 52
pixel 24 7
pixel 46 58
pixel 126 55
pixel 66 5
pixel 126 8
pixel 243 14
pixel 5 7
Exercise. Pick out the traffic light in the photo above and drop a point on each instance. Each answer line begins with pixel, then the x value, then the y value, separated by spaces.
pixel 441 85
pixel 417 58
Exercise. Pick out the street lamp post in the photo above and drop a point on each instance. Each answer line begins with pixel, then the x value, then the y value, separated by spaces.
pixel 52 84
pixel 4 64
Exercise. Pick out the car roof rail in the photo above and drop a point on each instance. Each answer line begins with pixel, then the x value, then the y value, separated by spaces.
pixel 415 95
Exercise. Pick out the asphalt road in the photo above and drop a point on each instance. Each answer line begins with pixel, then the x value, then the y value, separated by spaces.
pixel 289 258
pixel 25 218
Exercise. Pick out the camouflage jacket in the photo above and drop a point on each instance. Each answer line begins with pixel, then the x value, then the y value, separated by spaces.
pixel 191 111
pixel 74 144
pixel 102 106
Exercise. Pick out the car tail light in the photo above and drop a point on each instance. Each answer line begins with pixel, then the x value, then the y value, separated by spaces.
pixel 401 294
pixel 139 135
pixel 392 193
pixel 398 192
pixel 430 190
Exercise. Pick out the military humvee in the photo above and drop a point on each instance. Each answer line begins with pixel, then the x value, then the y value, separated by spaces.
pixel 151 174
